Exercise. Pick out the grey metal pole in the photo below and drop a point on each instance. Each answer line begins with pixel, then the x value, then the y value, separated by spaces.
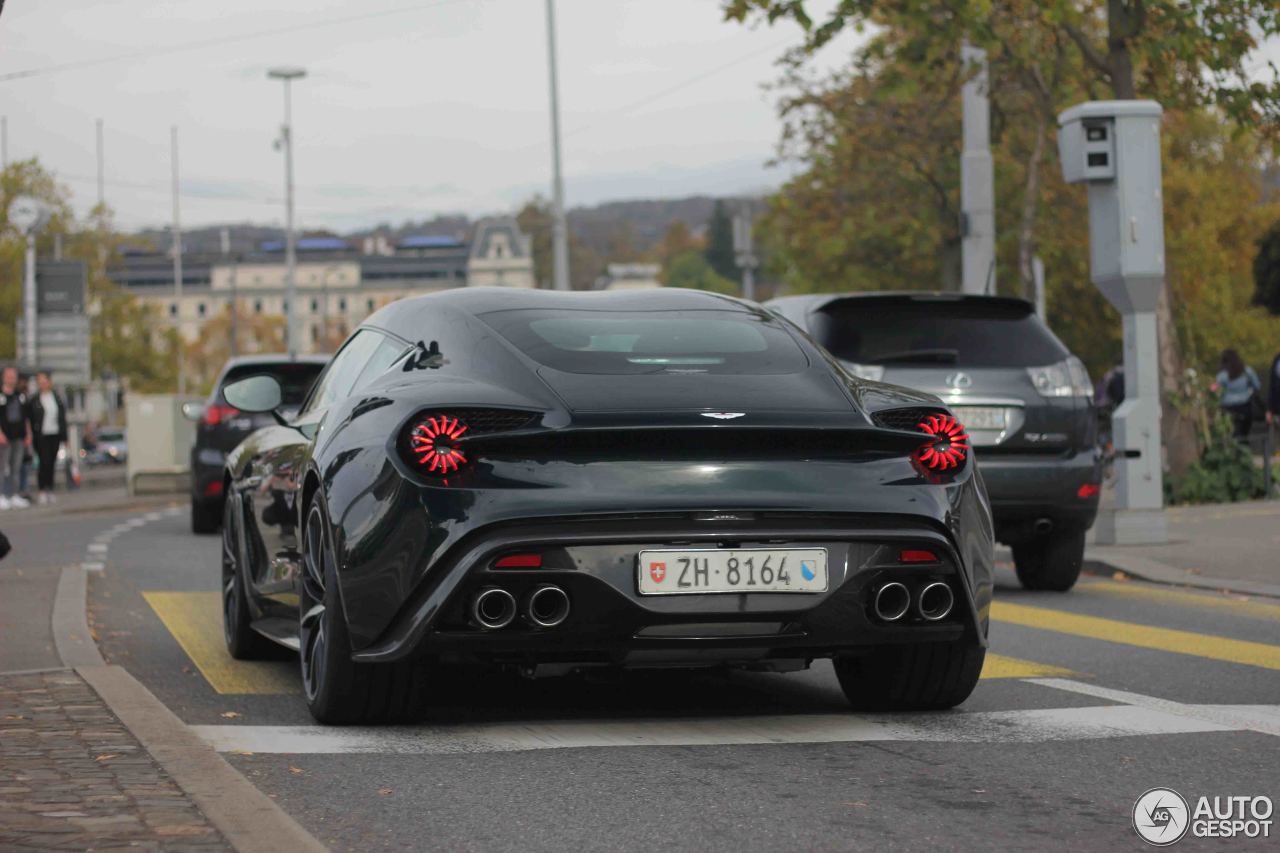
pixel 102 194
pixel 290 249
pixel 977 182
pixel 177 265
pixel 29 302
pixel 559 226
pixel 1037 273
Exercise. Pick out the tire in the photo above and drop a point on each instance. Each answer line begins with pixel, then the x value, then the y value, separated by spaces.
pixel 338 690
pixel 1051 563
pixel 205 517
pixel 917 677
pixel 243 643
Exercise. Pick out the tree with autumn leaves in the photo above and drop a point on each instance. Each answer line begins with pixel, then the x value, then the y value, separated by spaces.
pixel 875 204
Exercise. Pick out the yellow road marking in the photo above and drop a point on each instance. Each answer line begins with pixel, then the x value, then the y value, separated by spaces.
pixel 195 620
pixel 1143 636
pixel 999 666
pixel 1208 598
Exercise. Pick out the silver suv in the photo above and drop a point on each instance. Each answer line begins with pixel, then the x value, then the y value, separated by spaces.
pixel 1025 399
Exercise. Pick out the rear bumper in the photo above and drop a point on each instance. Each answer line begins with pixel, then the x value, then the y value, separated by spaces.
pixel 610 623
pixel 1023 489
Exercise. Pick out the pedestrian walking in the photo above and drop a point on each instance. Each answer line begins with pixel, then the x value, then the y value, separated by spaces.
pixel 1239 392
pixel 15 436
pixel 1273 395
pixel 49 426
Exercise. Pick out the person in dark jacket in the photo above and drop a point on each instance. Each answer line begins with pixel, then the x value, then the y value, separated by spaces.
pixel 49 427
pixel 15 437
pixel 1273 396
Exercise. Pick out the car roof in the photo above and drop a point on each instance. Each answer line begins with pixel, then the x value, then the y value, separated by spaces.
pixel 810 302
pixel 404 317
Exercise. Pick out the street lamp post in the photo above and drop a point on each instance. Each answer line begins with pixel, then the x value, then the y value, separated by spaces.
pixel 559 227
pixel 28 215
pixel 288 75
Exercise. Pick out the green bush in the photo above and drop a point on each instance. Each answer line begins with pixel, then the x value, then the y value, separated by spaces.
pixel 1224 473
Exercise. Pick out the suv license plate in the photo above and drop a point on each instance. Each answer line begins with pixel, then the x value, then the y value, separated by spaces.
pixel 723 570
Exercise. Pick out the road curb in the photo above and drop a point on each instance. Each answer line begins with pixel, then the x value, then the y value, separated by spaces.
pixel 248 819
pixel 1144 568
pixel 71 635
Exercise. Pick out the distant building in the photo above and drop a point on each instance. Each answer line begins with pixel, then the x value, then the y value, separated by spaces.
pixel 338 283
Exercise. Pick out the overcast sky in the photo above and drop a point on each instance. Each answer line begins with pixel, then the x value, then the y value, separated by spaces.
pixel 417 108
pixel 411 107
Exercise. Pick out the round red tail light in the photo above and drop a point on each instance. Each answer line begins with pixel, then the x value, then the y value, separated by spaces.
pixel 948 443
pixel 433 443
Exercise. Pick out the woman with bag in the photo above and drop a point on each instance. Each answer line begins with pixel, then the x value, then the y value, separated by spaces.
pixel 1239 392
pixel 49 426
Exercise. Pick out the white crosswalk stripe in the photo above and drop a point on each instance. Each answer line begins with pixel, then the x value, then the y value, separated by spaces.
pixel 1022 726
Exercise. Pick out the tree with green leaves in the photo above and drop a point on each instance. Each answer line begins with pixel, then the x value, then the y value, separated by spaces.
pixel 719 252
pixel 692 270
pixel 1188 54
pixel 127 337
pixel 534 219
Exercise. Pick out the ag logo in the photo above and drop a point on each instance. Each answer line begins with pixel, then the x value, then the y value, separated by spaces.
pixel 959 380
pixel 658 571
pixel 1161 817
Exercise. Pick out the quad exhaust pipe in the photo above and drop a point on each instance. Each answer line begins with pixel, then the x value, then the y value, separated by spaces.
pixel 545 606
pixel 933 602
pixel 493 608
pixel 892 601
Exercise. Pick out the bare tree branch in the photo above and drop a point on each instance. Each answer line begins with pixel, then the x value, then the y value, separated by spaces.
pixel 1089 50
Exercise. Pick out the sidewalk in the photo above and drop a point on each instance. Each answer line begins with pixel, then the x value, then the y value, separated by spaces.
pixel 89 758
pixel 92 500
pixel 72 777
pixel 1234 547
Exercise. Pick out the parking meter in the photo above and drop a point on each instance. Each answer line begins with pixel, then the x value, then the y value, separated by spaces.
pixel 1114 148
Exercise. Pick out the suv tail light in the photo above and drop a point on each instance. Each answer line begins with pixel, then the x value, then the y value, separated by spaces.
pixel 948 445
pixel 216 414
pixel 1067 378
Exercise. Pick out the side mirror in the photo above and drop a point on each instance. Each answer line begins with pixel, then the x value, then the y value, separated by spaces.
pixel 193 411
pixel 254 394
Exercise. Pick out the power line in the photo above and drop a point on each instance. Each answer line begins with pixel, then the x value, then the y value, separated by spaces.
pixel 202 44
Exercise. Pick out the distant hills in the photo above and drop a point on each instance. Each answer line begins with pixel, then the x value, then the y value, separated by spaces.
pixel 643 221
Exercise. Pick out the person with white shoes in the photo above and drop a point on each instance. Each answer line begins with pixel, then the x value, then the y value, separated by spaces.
pixel 48 415
pixel 15 437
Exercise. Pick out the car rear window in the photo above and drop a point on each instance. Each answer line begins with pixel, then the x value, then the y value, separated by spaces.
pixel 972 334
pixel 638 342
pixel 295 379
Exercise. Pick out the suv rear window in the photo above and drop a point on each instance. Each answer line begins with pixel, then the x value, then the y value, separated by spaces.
pixel 902 331
pixel 295 379
pixel 634 342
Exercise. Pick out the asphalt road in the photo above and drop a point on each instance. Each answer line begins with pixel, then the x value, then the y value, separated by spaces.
pixel 1090 699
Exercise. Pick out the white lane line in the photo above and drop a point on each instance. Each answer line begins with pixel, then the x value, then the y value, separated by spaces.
pixel 93 565
pixel 1258 718
pixel 1026 726
pixel 97 547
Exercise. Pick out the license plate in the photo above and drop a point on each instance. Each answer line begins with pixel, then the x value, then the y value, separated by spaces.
pixel 981 417
pixel 733 570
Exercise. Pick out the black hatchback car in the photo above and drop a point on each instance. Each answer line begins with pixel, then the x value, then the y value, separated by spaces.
pixel 220 427
pixel 1025 399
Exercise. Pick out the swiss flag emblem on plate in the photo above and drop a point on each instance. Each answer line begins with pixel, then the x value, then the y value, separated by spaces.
pixel 658 571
